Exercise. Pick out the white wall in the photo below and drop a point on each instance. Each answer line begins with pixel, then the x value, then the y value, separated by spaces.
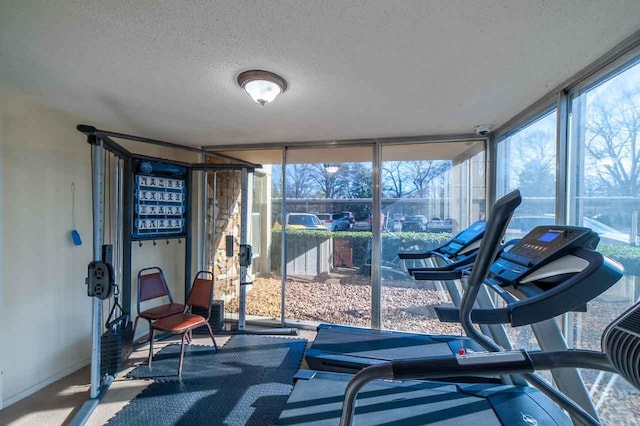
pixel 45 312
pixel 170 258
pixel 3 137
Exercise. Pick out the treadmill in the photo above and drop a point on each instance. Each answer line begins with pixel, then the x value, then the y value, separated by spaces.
pixel 562 273
pixel 346 349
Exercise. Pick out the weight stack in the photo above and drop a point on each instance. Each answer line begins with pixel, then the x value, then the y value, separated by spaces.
pixel 116 344
pixel 217 317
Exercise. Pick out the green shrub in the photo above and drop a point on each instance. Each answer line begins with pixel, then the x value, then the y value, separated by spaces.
pixel 392 242
pixel 302 233
pixel 395 242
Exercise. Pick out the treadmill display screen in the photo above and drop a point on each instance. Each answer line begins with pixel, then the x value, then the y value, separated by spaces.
pixel 548 237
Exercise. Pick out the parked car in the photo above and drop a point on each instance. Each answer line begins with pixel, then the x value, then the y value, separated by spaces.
pixel 398 217
pixel 395 224
pixel 350 217
pixel 300 221
pixel 435 224
pixel 335 221
pixel 416 223
pixel 365 222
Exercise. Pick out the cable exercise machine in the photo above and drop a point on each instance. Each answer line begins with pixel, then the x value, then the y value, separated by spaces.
pixel 131 201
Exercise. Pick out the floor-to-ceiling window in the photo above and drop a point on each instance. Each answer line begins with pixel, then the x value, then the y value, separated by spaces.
pixel 602 176
pixel 526 160
pixel 429 193
pixel 324 271
pixel 604 195
pixel 328 216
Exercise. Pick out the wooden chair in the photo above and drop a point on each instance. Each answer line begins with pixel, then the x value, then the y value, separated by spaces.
pixel 200 296
pixel 154 286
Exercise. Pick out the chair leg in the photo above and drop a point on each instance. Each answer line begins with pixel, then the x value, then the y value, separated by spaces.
pixel 135 325
pixel 150 335
pixel 150 347
pixel 215 345
pixel 184 335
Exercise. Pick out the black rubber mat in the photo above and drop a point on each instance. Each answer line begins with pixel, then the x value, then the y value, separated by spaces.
pixel 247 382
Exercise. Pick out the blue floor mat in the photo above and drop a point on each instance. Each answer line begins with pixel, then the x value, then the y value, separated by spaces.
pixel 247 382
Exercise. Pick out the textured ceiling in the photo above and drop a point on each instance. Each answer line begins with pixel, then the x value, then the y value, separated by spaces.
pixel 356 69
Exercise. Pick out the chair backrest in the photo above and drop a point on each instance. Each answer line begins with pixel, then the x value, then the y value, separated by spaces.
pixel 201 293
pixel 152 285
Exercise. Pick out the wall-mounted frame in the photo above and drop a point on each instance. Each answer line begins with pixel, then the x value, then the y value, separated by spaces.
pixel 159 199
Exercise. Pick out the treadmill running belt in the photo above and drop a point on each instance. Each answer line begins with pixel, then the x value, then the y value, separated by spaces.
pixel 318 402
pixel 348 349
pixel 376 344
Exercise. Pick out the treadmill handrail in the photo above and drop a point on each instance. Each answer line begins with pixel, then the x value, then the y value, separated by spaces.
pixel 415 256
pixel 508 362
pixel 455 274
pixel 512 362
pixel 478 316
pixel 462 263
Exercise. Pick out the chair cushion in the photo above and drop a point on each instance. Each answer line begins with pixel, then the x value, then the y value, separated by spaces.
pixel 178 323
pixel 162 311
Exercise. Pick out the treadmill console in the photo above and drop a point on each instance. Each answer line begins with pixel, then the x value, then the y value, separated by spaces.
pixel 542 245
pixel 550 271
pixel 464 239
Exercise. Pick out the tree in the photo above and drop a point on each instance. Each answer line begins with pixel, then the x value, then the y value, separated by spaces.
pixel 422 173
pixel 276 181
pixel 299 183
pixel 536 179
pixel 329 185
pixel 393 177
pixel 535 162
pixel 612 134
pixel 360 180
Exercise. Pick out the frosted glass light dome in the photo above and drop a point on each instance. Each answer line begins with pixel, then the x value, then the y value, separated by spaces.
pixel 262 86
pixel 262 91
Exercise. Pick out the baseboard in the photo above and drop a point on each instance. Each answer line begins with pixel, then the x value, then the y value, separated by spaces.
pixel 35 388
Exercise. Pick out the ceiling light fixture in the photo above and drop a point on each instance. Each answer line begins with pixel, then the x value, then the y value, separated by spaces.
pixel 331 168
pixel 262 86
